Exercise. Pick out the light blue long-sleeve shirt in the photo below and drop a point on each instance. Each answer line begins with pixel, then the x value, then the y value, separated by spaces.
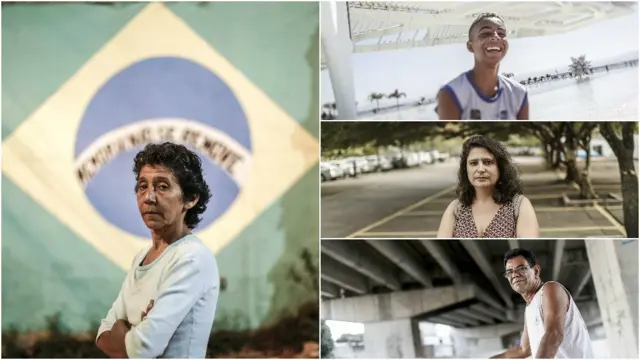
pixel 184 284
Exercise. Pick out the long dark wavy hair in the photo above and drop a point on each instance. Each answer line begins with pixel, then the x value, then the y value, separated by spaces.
pixel 186 167
pixel 508 185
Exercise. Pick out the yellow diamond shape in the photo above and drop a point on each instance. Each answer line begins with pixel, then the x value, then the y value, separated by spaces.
pixel 39 156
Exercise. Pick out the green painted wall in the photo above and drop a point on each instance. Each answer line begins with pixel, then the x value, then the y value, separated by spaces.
pixel 47 268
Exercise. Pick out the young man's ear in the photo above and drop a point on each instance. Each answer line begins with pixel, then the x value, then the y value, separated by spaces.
pixel 469 47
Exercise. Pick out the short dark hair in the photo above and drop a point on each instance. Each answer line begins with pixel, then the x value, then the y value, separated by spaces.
pixel 526 254
pixel 186 166
pixel 482 17
pixel 508 185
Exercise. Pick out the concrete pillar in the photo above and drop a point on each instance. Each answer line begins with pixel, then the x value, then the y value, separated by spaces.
pixel 394 339
pixel 337 47
pixel 614 267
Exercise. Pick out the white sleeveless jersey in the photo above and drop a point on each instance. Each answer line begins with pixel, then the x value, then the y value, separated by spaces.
pixel 576 343
pixel 473 105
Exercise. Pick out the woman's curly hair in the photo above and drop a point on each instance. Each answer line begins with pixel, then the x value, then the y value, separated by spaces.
pixel 507 186
pixel 186 166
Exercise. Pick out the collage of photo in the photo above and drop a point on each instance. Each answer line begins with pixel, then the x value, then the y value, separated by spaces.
pixel 320 179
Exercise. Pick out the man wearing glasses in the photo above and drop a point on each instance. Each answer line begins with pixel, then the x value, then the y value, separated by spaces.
pixel 553 326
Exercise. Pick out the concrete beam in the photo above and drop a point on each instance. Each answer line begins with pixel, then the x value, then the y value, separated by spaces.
pixel 395 305
pixel 514 243
pixel 394 252
pixel 557 258
pixel 341 251
pixel 440 320
pixel 488 299
pixel 493 313
pixel 475 315
pixel 584 280
pixel 473 248
pixel 329 289
pixel 333 271
pixel 452 316
pixel 594 322
pixel 435 249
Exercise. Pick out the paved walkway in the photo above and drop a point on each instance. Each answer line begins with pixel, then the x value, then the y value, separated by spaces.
pixel 543 187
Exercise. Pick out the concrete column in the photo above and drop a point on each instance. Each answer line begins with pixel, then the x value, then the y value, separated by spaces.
pixel 337 47
pixel 614 267
pixel 394 339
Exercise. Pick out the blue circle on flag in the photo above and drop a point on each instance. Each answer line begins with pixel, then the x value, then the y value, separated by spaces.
pixel 154 89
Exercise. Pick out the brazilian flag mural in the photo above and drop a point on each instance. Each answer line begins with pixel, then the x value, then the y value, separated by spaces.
pixel 86 86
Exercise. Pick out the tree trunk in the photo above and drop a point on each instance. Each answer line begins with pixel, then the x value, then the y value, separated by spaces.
pixel 548 155
pixel 570 149
pixel 572 173
pixel 558 160
pixel 587 160
pixel 586 188
pixel 624 148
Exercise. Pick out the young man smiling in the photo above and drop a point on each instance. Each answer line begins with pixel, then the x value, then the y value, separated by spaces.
pixel 482 93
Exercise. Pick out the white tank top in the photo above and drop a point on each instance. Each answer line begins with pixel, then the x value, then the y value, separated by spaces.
pixel 473 105
pixel 576 343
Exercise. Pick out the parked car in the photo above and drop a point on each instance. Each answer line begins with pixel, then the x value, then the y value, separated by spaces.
pixel 346 167
pixel 330 172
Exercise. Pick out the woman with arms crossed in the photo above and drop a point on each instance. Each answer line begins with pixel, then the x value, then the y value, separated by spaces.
pixel 167 302
pixel 490 203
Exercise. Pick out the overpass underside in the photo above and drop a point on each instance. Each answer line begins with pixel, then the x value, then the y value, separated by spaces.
pixel 392 286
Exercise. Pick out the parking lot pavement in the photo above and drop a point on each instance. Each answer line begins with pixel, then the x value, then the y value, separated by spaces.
pixel 410 203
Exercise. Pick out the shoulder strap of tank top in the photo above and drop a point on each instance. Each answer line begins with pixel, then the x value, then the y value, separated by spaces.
pixel 542 294
pixel 517 200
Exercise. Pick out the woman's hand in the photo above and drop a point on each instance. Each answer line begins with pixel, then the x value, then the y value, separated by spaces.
pixel 112 342
pixel 120 328
pixel 149 307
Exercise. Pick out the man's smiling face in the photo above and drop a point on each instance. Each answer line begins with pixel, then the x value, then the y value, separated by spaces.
pixel 488 40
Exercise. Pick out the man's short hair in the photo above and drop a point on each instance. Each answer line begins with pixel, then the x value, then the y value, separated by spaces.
pixel 482 17
pixel 526 254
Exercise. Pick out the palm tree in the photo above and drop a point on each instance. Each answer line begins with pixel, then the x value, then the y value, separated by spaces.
pixel 376 97
pixel 580 66
pixel 331 107
pixel 397 95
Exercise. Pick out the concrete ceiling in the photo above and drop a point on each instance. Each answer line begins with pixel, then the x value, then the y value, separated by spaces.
pixel 361 267
pixel 379 26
